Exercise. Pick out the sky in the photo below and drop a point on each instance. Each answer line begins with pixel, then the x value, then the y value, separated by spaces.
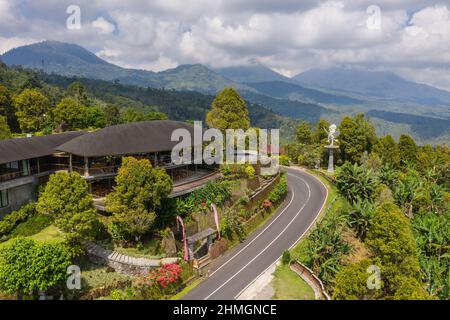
pixel 408 37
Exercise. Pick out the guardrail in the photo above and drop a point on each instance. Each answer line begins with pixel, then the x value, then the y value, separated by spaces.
pixel 308 275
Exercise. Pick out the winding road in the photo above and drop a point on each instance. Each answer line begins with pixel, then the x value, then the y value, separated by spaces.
pixel 232 273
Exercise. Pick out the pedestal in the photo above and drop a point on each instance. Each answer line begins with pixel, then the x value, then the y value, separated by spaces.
pixel 331 158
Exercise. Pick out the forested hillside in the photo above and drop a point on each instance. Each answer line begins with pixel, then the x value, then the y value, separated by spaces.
pixel 95 103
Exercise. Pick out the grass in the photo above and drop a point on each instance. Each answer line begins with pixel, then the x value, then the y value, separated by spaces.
pixel 289 286
pixel 94 276
pixel 188 288
pixel 32 226
pixel 150 249
pixel 38 228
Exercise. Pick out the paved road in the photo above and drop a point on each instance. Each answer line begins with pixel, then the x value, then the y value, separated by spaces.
pixel 233 272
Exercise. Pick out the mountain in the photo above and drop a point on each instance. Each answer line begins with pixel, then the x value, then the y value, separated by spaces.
pixel 252 73
pixel 292 91
pixel 73 60
pixel 385 85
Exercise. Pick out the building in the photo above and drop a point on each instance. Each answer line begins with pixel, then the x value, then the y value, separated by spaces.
pixel 26 163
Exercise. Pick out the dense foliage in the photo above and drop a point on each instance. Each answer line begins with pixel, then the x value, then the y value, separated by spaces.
pixel 396 216
pixel 27 266
pixel 138 193
pixel 67 199
pixel 10 221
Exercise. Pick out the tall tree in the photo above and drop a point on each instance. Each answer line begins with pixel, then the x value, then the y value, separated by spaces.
pixel 112 114
pixel 320 133
pixel 356 135
pixel 67 199
pixel 4 128
pixel 78 92
pixel 407 149
pixel 229 111
pixel 7 108
pixel 387 150
pixel 304 135
pixel 32 110
pixel 391 239
pixel 69 114
pixel 139 191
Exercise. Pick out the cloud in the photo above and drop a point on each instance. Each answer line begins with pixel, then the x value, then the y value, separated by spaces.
pixel 287 35
pixel 103 25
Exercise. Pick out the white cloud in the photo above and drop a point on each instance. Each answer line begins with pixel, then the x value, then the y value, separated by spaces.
pixel 103 25
pixel 287 35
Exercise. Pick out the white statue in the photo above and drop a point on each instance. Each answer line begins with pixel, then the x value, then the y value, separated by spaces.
pixel 331 131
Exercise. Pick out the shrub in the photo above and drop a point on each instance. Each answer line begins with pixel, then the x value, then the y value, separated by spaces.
pixel 159 282
pixel 284 160
pixel 286 258
pixel 217 192
pixel 280 191
pixel 10 221
pixel 250 171
pixel 27 266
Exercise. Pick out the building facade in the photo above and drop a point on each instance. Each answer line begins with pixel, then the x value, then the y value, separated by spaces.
pixel 26 163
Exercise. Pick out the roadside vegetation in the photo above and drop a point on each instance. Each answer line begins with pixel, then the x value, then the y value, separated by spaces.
pixel 391 211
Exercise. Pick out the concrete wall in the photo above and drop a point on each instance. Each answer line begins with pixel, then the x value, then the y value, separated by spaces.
pixel 18 196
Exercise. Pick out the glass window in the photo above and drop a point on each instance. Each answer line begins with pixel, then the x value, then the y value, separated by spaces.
pixel 3 198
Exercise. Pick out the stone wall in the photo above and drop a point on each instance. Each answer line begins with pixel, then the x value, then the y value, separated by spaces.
pixel 122 263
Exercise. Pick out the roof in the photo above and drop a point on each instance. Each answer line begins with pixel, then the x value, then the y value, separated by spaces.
pixel 200 235
pixel 27 148
pixel 127 139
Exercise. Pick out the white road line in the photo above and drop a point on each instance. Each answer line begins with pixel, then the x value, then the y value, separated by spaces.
pixel 246 246
pixel 276 238
pixel 298 240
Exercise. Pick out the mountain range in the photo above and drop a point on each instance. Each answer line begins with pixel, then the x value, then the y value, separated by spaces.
pixel 310 95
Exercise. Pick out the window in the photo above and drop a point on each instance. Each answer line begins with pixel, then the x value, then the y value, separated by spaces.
pixel 25 167
pixel 3 198
pixel 13 165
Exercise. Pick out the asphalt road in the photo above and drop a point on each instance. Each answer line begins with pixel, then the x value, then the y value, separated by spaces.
pixel 237 269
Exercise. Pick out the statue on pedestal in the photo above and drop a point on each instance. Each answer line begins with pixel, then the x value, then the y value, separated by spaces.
pixel 331 139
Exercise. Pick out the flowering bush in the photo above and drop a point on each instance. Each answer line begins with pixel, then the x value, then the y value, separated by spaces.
pixel 157 283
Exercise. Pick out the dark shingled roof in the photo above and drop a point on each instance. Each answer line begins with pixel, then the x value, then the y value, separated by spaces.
pixel 33 147
pixel 127 139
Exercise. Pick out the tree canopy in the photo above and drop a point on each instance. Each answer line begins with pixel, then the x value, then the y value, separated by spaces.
pixel 28 266
pixel 229 111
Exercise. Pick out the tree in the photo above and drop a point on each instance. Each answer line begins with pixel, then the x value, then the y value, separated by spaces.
pixel 229 111
pixel 410 288
pixel 69 114
pixel 304 135
pixel 356 135
pixel 4 128
pixel 355 182
pixel 7 108
pixel 407 149
pixel 32 108
pixel 67 199
pixel 319 135
pixel 132 115
pixel 391 239
pixel 27 266
pixel 77 91
pixel 387 150
pixel 351 282
pixel 138 193
pixel 112 115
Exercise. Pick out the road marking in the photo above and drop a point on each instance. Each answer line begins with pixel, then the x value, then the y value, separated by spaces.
pixel 298 240
pixel 276 238
pixel 246 246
